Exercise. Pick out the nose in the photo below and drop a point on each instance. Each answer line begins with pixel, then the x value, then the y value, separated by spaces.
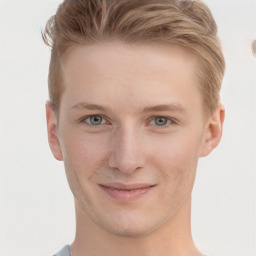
pixel 127 151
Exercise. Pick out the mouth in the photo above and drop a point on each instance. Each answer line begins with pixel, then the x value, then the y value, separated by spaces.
pixel 126 192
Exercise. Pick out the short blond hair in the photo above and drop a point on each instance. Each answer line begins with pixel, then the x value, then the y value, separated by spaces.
pixel 137 21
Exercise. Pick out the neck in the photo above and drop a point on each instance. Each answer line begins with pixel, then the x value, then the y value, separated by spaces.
pixel 173 238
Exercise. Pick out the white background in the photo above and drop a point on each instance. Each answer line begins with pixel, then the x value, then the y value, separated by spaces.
pixel 36 206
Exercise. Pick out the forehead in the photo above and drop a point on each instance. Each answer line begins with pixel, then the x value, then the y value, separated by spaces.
pixel 111 56
pixel 152 74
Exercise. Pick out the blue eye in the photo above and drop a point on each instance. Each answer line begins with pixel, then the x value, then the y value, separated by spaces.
pixel 95 120
pixel 160 121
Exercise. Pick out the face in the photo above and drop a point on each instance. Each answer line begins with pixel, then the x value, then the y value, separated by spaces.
pixel 130 130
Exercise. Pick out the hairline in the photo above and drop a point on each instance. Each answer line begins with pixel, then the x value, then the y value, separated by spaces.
pixel 63 57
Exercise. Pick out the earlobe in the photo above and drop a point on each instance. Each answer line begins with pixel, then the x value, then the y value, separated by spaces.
pixel 52 132
pixel 213 131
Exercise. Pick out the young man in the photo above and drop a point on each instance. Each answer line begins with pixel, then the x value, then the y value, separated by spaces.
pixel 134 103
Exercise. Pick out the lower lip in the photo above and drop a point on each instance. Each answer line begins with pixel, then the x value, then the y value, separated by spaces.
pixel 126 195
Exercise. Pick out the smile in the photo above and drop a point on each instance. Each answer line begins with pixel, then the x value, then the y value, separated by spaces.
pixel 126 193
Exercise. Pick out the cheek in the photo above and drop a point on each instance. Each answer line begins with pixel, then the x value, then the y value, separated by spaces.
pixel 83 156
pixel 83 153
pixel 177 158
pixel 176 163
pixel 180 147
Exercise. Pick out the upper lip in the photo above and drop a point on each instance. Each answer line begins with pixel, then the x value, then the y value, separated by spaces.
pixel 121 186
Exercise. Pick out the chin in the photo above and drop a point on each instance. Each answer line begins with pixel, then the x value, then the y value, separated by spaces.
pixel 131 228
pixel 130 232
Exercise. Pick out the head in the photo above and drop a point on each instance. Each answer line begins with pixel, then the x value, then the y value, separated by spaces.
pixel 134 102
pixel 163 22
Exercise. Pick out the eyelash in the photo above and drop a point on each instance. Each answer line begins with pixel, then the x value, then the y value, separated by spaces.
pixel 170 121
pixel 83 120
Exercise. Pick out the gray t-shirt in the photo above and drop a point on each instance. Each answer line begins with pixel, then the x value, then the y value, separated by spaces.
pixel 65 251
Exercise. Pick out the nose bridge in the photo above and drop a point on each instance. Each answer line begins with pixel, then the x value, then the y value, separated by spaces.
pixel 127 154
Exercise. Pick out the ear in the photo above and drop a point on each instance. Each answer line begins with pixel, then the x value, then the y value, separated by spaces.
pixel 52 132
pixel 213 131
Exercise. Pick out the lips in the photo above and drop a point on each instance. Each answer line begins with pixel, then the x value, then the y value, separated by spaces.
pixel 126 192
pixel 120 186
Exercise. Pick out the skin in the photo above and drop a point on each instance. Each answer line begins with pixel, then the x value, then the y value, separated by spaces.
pixel 132 86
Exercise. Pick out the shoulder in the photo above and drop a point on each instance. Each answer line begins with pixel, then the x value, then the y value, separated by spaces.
pixel 65 251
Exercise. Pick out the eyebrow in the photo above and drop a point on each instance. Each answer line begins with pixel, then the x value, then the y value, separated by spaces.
pixel 84 105
pixel 165 107
pixel 156 108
